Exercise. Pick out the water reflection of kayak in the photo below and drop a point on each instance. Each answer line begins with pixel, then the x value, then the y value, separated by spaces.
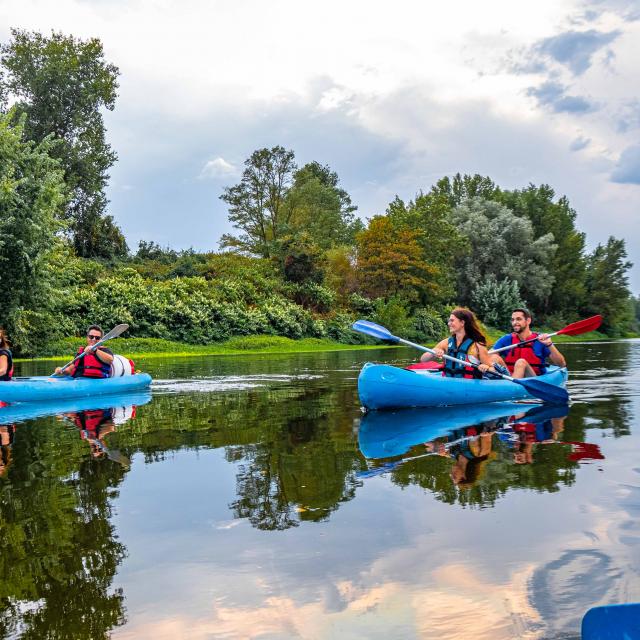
pixel 385 387
pixel 392 433
pixel 47 388
pixel 30 410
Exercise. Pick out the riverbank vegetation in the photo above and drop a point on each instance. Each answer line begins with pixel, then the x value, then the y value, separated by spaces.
pixel 301 264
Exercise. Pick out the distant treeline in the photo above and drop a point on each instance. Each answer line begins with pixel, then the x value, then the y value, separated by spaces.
pixel 301 262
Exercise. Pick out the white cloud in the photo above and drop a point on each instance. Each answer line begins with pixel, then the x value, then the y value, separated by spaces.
pixel 217 168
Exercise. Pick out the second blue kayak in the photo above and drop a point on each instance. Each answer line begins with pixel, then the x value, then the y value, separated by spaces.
pixel 381 386
pixel 46 388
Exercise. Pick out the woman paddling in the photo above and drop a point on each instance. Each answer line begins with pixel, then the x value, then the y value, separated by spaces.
pixel 6 360
pixel 467 343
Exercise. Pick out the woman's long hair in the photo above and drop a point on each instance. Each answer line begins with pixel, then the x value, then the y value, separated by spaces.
pixel 471 328
pixel 4 341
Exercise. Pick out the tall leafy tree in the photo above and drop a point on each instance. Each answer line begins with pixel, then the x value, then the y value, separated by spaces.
pixel 31 194
pixel 321 208
pixel 61 84
pixel 390 263
pixel 502 245
pixel 568 264
pixel 257 204
pixel 462 187
pixel 441 242
pixel 608 285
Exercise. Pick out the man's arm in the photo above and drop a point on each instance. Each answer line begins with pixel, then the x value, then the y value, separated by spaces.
pixel 104 355
pixel 554 356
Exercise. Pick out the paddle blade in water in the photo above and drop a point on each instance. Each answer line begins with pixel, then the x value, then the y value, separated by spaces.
pixel 374 330
pixel 583 326
pixel 543 390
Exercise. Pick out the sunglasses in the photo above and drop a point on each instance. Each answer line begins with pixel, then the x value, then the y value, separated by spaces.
pixel 93 337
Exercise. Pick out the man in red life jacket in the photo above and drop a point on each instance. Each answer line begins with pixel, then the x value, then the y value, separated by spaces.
pixel 96 363
pixel 526 360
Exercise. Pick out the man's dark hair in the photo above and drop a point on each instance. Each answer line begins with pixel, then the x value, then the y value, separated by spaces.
pixel 95 327
pixel 525 312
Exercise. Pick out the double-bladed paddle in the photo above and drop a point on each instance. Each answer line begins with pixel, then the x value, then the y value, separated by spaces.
pixel 114 333
pixel 537 388
pixel 574 329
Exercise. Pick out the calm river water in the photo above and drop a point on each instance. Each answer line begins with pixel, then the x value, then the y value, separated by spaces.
pixel 250 498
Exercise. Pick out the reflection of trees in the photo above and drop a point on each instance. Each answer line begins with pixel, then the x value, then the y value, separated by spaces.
pixel 550 470
pixel 293 446
pixel 302 469
pixel 58 552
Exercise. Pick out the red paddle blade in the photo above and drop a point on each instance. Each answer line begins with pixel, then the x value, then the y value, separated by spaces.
pixel 582 326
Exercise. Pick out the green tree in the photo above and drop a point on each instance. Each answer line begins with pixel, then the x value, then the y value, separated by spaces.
pixel 257 204
pixel 61 84
pixel 442 243
pixel 321 208
pixel 607 285
pixel 461 188
pixel 502 245
pixel 568 264
pixel 31 193
pixel 390 262
pixel 494 301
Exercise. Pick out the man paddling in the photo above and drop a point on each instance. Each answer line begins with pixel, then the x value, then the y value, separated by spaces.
pixel 526 360
pixel 96 362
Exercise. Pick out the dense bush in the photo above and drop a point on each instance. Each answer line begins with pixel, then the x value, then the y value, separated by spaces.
pixel 494 301
pixel 429 325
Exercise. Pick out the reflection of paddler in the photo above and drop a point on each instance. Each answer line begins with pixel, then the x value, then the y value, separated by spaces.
pixel 94 425
pixel 470 457
pixel 530 433
pixel 546 432
pixel 7 434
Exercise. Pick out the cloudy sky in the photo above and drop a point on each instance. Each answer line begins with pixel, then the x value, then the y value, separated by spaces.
pixel 391 96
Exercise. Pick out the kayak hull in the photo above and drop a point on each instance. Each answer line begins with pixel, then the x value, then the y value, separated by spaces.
pixel 381 386
pixel 46 388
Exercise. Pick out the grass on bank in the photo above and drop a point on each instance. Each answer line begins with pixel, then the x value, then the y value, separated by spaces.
pixel 248 345
pixel 241 345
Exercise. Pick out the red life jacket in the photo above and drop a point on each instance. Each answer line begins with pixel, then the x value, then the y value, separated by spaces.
pixel 527 431
pixel 526 352
pixel 454 369
pixel 90 366
pixel 90 421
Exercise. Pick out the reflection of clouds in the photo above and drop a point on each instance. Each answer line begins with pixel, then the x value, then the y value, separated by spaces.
pixel 464 600
pixel 564 589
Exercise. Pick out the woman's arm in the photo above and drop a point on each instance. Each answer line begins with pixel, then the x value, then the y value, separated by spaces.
pixel 4 363
pixel 440 350
pixel 486 362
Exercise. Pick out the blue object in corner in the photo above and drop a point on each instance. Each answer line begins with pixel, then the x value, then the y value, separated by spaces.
pixel 612 622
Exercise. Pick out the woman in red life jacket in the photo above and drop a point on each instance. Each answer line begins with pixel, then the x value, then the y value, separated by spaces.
pixel 6 359
pixel 526 360
pixel 96 362
pixel 466 343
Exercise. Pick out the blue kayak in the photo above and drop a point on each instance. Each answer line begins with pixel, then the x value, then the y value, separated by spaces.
pixel 381 386
pixel 22 411
pixel 46 388
pixel 386 434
